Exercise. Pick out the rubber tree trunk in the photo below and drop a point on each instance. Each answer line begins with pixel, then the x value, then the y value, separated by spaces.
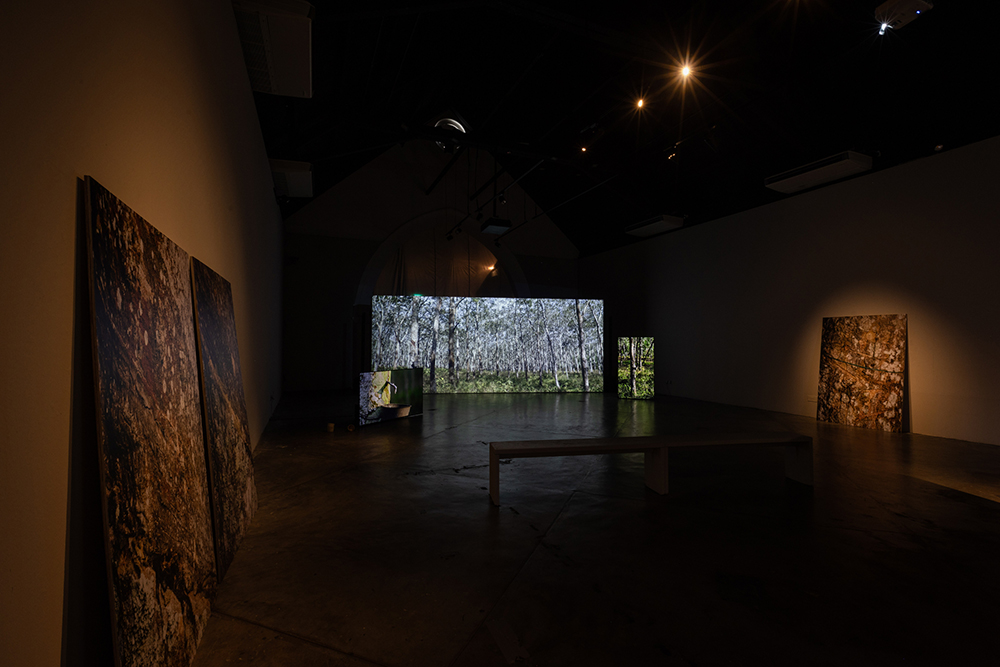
pixel 552 347
pixel 434 344
pixel 631 360
pixel 583 352
pixel 414 333
pixel 451 341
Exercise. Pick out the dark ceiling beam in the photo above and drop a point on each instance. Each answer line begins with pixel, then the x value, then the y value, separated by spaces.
pixel 589 97
pixel 447 168
pixel 408 11
pixel 383 139
pixel 521 78
pixel 475 140
pixel 402 61
pixel 488 183
pixel 622 43
pixel 508 187
pixel 547 211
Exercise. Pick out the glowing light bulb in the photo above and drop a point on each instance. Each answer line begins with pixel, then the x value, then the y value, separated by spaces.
pixel 686 71
pixel 584 149
pixel 640 104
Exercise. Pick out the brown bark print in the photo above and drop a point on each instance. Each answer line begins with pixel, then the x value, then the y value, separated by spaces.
pixel 862 366
pixel 161 564
pixel 227 432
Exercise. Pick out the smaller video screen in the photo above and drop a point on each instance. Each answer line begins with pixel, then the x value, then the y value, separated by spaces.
pixel 386 395
pixel 635 367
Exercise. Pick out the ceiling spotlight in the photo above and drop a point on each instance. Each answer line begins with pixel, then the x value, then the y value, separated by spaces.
pixel 639 104
pixel 584 149
pixel 686 70
pixel 502 198
pixel 452 125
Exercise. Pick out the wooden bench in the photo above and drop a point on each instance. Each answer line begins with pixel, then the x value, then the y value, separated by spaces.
pixel 798 452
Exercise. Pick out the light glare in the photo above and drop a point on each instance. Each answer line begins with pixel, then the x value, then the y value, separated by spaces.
pixel 640 104
pixel 686 71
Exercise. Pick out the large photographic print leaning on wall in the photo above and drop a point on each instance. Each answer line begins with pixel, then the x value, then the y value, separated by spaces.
pixel 492 345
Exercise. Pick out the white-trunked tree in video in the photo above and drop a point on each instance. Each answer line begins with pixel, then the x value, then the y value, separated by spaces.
pixel 492 345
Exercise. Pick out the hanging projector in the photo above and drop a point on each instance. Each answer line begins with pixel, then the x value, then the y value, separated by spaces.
pixel 495 226
pixel 897 13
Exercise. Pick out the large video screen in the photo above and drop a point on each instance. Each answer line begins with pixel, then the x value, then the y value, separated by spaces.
pixel 491 345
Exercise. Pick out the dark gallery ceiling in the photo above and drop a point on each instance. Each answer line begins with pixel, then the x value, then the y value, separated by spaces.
pixel 775 84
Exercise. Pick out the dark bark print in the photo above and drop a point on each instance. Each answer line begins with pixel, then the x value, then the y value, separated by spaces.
pixel 227 431
pixel 491 345
pixel 861 371
pixel 161 562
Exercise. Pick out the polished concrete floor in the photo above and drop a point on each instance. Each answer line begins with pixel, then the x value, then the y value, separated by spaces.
pixel 380 546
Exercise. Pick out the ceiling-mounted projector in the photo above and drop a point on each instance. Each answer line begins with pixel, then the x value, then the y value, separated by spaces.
pixel 897 13
pixel 495 226
pixel 822 171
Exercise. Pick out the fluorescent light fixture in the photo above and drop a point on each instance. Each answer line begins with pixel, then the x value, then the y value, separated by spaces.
pixel 897 13
pixel 657 225
pixel 822 171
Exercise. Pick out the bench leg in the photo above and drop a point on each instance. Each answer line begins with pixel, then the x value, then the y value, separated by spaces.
pixel 656 469
pixel 799 463
pixel 494 476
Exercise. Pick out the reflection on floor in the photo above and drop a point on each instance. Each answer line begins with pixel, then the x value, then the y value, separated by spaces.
pixel 380 546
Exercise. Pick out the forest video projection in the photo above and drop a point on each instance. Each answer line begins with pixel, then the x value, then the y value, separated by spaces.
pixel 635 367
pixel 491 345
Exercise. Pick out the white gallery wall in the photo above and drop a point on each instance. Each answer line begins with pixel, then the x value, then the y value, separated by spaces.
pixel 736 304
pixel 153 100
